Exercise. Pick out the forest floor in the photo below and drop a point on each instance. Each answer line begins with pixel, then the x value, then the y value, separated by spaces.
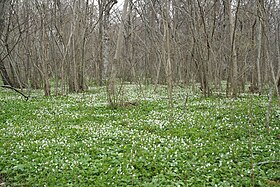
pixel 78 140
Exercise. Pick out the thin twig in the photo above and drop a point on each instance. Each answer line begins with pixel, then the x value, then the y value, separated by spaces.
pixel 267 162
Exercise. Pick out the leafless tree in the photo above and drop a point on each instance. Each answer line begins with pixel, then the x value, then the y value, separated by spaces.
pixel 75 43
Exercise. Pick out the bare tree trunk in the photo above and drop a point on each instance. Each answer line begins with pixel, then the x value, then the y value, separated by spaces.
pixel 206 66
pixel 166 50
pixel 233 76
pixel 72 67
pixel 259 45
pixel 44 57
pixel 104 7
pixel 233 53
pixel 42 48
pixel 3 71
pixel 278 59
pixel 99 69
pixel 112 95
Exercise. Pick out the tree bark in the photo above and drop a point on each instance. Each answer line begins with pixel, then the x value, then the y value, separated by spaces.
pixel 167 51
pixel 3 71
pixel 259 45
pixel 231 23
pixel 112 97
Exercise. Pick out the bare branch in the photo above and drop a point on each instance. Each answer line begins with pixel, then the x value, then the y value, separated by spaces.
pixel 16 90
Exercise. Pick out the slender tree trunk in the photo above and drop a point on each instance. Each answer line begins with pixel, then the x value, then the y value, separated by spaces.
pixel 231 23
pixel 206 65
pixel 112 95
pixel 167 51
pixel 44 50
pixel 3 71
pixel 234 53
pixel 100 58
pixel 259 45
pixel 278 59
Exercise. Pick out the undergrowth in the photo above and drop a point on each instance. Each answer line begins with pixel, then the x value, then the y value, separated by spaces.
pixel 78 140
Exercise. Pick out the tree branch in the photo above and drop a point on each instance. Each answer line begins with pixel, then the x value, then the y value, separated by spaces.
pixel 16 90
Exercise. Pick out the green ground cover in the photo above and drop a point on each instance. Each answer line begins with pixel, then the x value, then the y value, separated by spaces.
pixel 77 140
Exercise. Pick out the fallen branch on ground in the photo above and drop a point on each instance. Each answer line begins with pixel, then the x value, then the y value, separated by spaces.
pixel 16 90
pixel 267 162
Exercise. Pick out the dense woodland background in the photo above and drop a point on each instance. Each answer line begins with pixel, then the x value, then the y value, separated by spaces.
pixel 66 46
